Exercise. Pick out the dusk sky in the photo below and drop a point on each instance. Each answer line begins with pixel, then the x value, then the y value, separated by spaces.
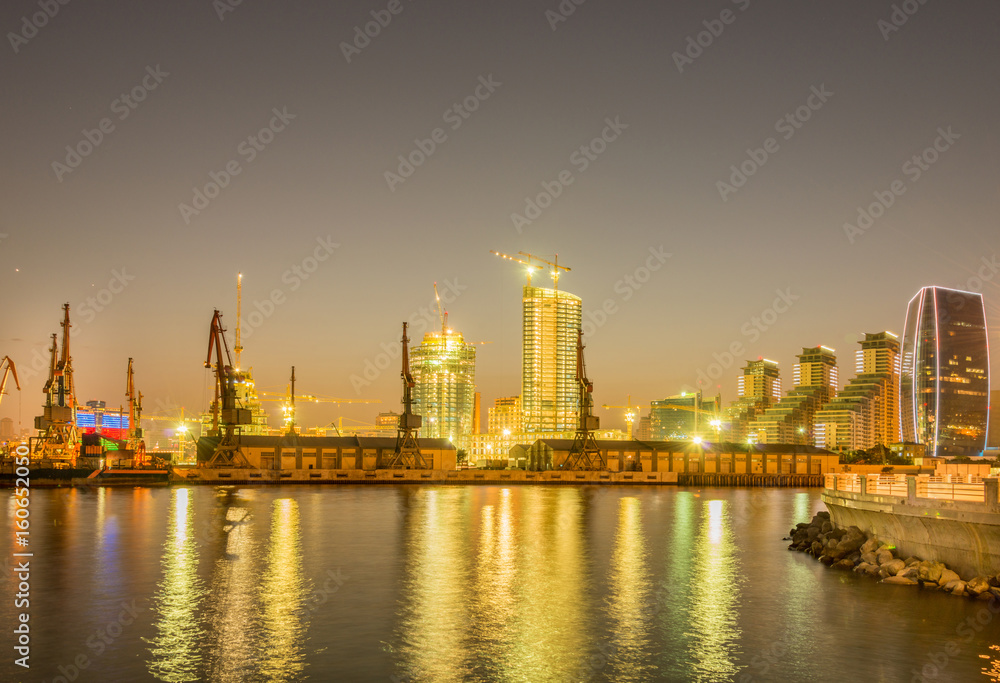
pixel 827 108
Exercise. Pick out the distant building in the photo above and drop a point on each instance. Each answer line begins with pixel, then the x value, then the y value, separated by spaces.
pixel 758 388
pixel 7 429
pixel 994 435
pixel 444 370
pixel 644 428
pixel 505 416
pixel 790 420
pixel 246 397
pixel 944 380
pixel 549 392
pixel 866 412
pixel 682 417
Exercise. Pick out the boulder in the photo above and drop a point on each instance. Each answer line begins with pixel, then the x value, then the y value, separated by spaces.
pixel 823 514
pixel 827 560
pixel 826 528
pixel 948 576
pixel 884 556
pixel 843 564
pixel 874 571
pixel 800 536
pixel 994 581
pixel 911 561
pixel 861 567
pixel 870 546
pixel 893 567
pixel 868 556
pixel 931 571
pixel 902 581
pixel 836 534
pixel 854 557
pixel 959 588
pixel 950 586
pixel 910 572
pixel 816 549
pixel 813 533
pixel 978 585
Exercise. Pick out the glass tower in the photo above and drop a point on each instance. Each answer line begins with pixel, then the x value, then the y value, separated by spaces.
pixel 945 379
pixel 444 374
pixel 549 393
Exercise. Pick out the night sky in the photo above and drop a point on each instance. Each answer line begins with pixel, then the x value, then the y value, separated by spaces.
pixel 633 133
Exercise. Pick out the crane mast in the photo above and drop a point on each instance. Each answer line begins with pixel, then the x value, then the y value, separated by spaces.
pixel 8 369
pixel 407 453
pixel 59 439
pixel 584 454
pixel 224 410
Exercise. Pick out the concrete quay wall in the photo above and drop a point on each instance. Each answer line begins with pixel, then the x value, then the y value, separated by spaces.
pixel 222 476
pixel 963 535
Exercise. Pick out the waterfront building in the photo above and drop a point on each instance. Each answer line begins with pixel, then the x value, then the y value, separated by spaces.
pixel 866 413
pixel 444 372
pixel 550 396
pixel 506 417
pixel 682 417
pixel 790 420
pixel 758 388
pixel 944 378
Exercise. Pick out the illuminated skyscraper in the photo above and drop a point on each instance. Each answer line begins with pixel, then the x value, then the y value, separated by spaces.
pixel 866 412
pixel 790 420
pixel 549 393
pixel 945 376
pixel 759 387
pixel 444 370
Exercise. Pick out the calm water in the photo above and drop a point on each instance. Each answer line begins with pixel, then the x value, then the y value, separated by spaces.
pixel 463 584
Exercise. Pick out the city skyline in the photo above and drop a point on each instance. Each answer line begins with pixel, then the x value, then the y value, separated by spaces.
pixel 702 201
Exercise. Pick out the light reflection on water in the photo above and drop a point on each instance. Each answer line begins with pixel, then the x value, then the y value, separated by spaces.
pixel 468 584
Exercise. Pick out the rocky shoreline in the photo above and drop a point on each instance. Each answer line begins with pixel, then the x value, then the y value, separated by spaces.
pixel 852 549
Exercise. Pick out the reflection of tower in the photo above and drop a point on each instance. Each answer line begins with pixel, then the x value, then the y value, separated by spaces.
pixel 550 394
pixel 944 381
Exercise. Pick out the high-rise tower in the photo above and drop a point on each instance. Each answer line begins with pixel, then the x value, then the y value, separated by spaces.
pixel 444 370
pixel 945 377
pixel 549 391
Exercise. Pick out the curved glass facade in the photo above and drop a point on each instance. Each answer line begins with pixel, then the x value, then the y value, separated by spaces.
pixel 945 379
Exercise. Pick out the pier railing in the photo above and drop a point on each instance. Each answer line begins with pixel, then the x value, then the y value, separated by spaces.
pixel 964 488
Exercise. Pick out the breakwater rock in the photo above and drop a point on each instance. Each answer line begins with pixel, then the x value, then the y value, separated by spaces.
pixel 861 553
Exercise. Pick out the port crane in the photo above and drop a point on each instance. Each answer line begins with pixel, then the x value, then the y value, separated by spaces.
pixel 584 453
pixel 8 367
pixel 631 412
pixel 554 273
pixel 289 398
pixel 135 443
pixel 224 409
pixel 407 454
pixel 60 440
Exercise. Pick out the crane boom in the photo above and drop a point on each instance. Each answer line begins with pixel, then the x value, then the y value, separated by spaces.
pixel 8 369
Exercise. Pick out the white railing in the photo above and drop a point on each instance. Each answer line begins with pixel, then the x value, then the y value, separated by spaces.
pixel 965 488
pixel 952 487
pixel 887 484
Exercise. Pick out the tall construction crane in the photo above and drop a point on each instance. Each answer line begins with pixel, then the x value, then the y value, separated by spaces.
pixel 584 453
pixel 224 409
pixel 554 273
pixel 631 412
pixel 407 454
pixel 238 347
pixel 697 410
pixel 135 442
pixel 8 367
pixel 289 398
pixel 60 440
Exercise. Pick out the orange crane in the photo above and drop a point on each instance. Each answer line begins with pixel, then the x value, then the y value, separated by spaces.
pixel 631 412
pixel 8 369
pixel 227 452
pixel 135 443
pixel 554 273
